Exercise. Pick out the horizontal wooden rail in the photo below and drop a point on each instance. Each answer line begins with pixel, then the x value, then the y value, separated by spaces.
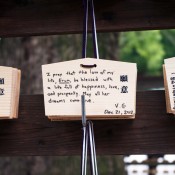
pixel 45 17
pixel 153 131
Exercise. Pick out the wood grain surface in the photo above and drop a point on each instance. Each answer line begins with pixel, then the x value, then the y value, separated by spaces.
pixel 152 132
pixel 45 17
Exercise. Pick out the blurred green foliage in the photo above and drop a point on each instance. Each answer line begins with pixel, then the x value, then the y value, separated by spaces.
pixel 168 42
pixel 147 48
pixel 144 48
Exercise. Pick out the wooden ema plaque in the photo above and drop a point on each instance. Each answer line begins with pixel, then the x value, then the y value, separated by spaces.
pixel 169 84
pixel 109 88
pixel 9 92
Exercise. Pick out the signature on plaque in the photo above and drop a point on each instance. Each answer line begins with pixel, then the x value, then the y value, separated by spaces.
pixel 2 91
pixel 1 80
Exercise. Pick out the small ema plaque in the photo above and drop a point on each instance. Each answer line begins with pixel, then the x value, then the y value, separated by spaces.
pixel 109 88
pixel 169 83
pixel 9 92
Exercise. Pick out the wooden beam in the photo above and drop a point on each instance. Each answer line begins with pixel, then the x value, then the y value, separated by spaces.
pixel 46 17
pixel 152 132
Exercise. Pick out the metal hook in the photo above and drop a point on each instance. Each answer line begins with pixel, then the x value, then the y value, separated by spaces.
pixel 88 132
pixel 94 170
pixel 85 138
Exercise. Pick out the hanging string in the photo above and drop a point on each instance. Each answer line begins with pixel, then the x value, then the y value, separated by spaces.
pixel 85 23
pixel 95 43
pixel 86 4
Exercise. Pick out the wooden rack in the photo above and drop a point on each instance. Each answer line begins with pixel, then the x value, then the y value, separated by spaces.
pixel 152 132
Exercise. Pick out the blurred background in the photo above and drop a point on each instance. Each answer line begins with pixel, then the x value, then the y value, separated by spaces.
pixel 146 48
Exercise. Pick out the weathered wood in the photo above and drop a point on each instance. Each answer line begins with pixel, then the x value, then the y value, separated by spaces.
pixel 153 131
pixel 36 17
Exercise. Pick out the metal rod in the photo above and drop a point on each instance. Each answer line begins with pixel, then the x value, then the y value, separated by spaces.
pixel 88 136
pixel 85 138
pixel 83 110
pixel 84 151
pixel 94 150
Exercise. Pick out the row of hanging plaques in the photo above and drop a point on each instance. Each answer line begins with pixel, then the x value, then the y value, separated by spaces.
pixel 109 88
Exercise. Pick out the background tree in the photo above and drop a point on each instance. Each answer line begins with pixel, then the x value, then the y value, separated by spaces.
pixel 144 48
